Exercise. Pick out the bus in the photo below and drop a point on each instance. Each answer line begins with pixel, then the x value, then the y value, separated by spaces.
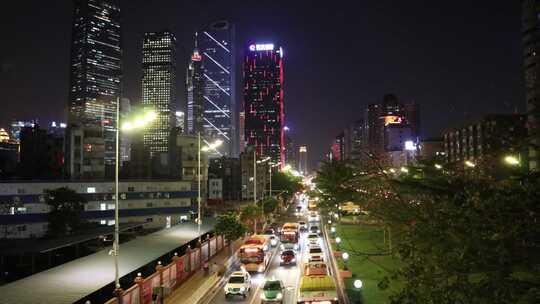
pixel 289 236
pixel 317 289
pixel 254 255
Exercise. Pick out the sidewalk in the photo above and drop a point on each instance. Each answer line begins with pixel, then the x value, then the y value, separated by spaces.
pixel 192 290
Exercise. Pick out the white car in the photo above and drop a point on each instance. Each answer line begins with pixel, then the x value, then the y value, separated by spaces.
pixel 313 238
pixel 313 217
pixel 239 283
pixel 315 254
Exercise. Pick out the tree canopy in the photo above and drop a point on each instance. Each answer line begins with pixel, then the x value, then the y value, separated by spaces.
pixel 229 226
pixel 66 208
pixel 462 238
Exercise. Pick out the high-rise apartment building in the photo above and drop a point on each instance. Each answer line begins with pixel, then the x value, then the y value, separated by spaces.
pixel 215 43
pixel 531 65
pixel 195 84
pixel 159 89
pixel 263 100
pixel 95 73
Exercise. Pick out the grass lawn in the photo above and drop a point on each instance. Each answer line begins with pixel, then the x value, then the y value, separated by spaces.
pixel 357 240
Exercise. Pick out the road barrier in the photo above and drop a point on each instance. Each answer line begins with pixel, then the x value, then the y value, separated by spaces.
pixel 171 276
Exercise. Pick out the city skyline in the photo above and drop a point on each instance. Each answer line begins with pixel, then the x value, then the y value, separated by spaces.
pixel 502 90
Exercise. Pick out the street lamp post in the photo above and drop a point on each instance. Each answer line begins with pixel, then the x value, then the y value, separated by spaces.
pixel 116 245
pixel 140 122
pixel 345 257
pixel 210 146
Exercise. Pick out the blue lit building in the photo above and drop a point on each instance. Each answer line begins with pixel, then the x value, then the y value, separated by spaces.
pixel 215 44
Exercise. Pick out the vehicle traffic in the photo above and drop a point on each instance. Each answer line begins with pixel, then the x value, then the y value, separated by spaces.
pixel 287 257
pixel 254 255
pixel 272 291
pixel 289 236
pixel 317 289
pixel 239 284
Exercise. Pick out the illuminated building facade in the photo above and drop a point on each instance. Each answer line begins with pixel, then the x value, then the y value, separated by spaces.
pixel 195 86
pixel 216 47
pixel 95 73
pixel 263 100
pixel 159 88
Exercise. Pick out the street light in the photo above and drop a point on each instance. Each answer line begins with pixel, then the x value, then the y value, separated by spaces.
pixel 438 167
pixel 338 240
pixel 470 164
pixel 404 170
pixel 358 284
pixel 345 257
pixel 512 160
pixel 211 146
pixel 139 122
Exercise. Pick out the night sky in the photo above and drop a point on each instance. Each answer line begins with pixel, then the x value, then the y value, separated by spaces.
pixel 457 59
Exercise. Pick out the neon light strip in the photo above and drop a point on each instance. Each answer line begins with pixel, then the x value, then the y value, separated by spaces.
pixel 217 129
pixel 221 45
pixel 216 84
pixel 215 105
pixel 217 63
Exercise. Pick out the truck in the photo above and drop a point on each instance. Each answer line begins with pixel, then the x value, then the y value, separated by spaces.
pixel 254 255
pixel 289 236
pixel 317 289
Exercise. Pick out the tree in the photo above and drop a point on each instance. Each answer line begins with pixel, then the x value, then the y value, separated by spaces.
pixel 251 213
pixel 286 185
pixel 269 205
pixel 230 227
pixel 66 208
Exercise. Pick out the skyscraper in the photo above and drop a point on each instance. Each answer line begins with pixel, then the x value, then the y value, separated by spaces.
pixel 531 64
pixel 95 73
pixel 159 88
pixel 195 86
pixel 216 46
pixel 263 100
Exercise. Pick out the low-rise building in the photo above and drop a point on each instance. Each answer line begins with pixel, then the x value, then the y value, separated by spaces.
pixel 158 204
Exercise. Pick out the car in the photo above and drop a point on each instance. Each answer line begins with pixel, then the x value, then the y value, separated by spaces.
pixel 315 254
pixel 239 284
pixel 274 240
pixel 313 217
pixel 315 269
pixel 315 229
pixel 302 226
pixel 272 291
pixel 289 246
pixel 269 231
pixel 313 238
pixel 287 257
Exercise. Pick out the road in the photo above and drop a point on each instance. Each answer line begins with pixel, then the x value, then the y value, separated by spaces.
pixel 290 275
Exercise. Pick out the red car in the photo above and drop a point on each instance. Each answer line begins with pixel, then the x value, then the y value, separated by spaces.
pixel 288 257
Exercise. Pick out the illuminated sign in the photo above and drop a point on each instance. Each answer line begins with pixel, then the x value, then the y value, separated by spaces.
pixel 262 47
pixel 392 119
pixel 196 56
pixel 410 145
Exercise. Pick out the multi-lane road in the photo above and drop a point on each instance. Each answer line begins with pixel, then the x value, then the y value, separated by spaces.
pixel 289 275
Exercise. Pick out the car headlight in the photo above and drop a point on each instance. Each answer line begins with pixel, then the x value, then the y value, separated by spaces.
pixel 262 296
pixel 225 288
pixel 261 268
pixel 293 260
pixel 279 296
pixel 242 289
pixel 273 242
pixel 243 268
pixel 295 246
pixel 282 247
pixel 318 231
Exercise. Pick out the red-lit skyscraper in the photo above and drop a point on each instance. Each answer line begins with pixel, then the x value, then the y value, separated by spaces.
pixel 263 100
